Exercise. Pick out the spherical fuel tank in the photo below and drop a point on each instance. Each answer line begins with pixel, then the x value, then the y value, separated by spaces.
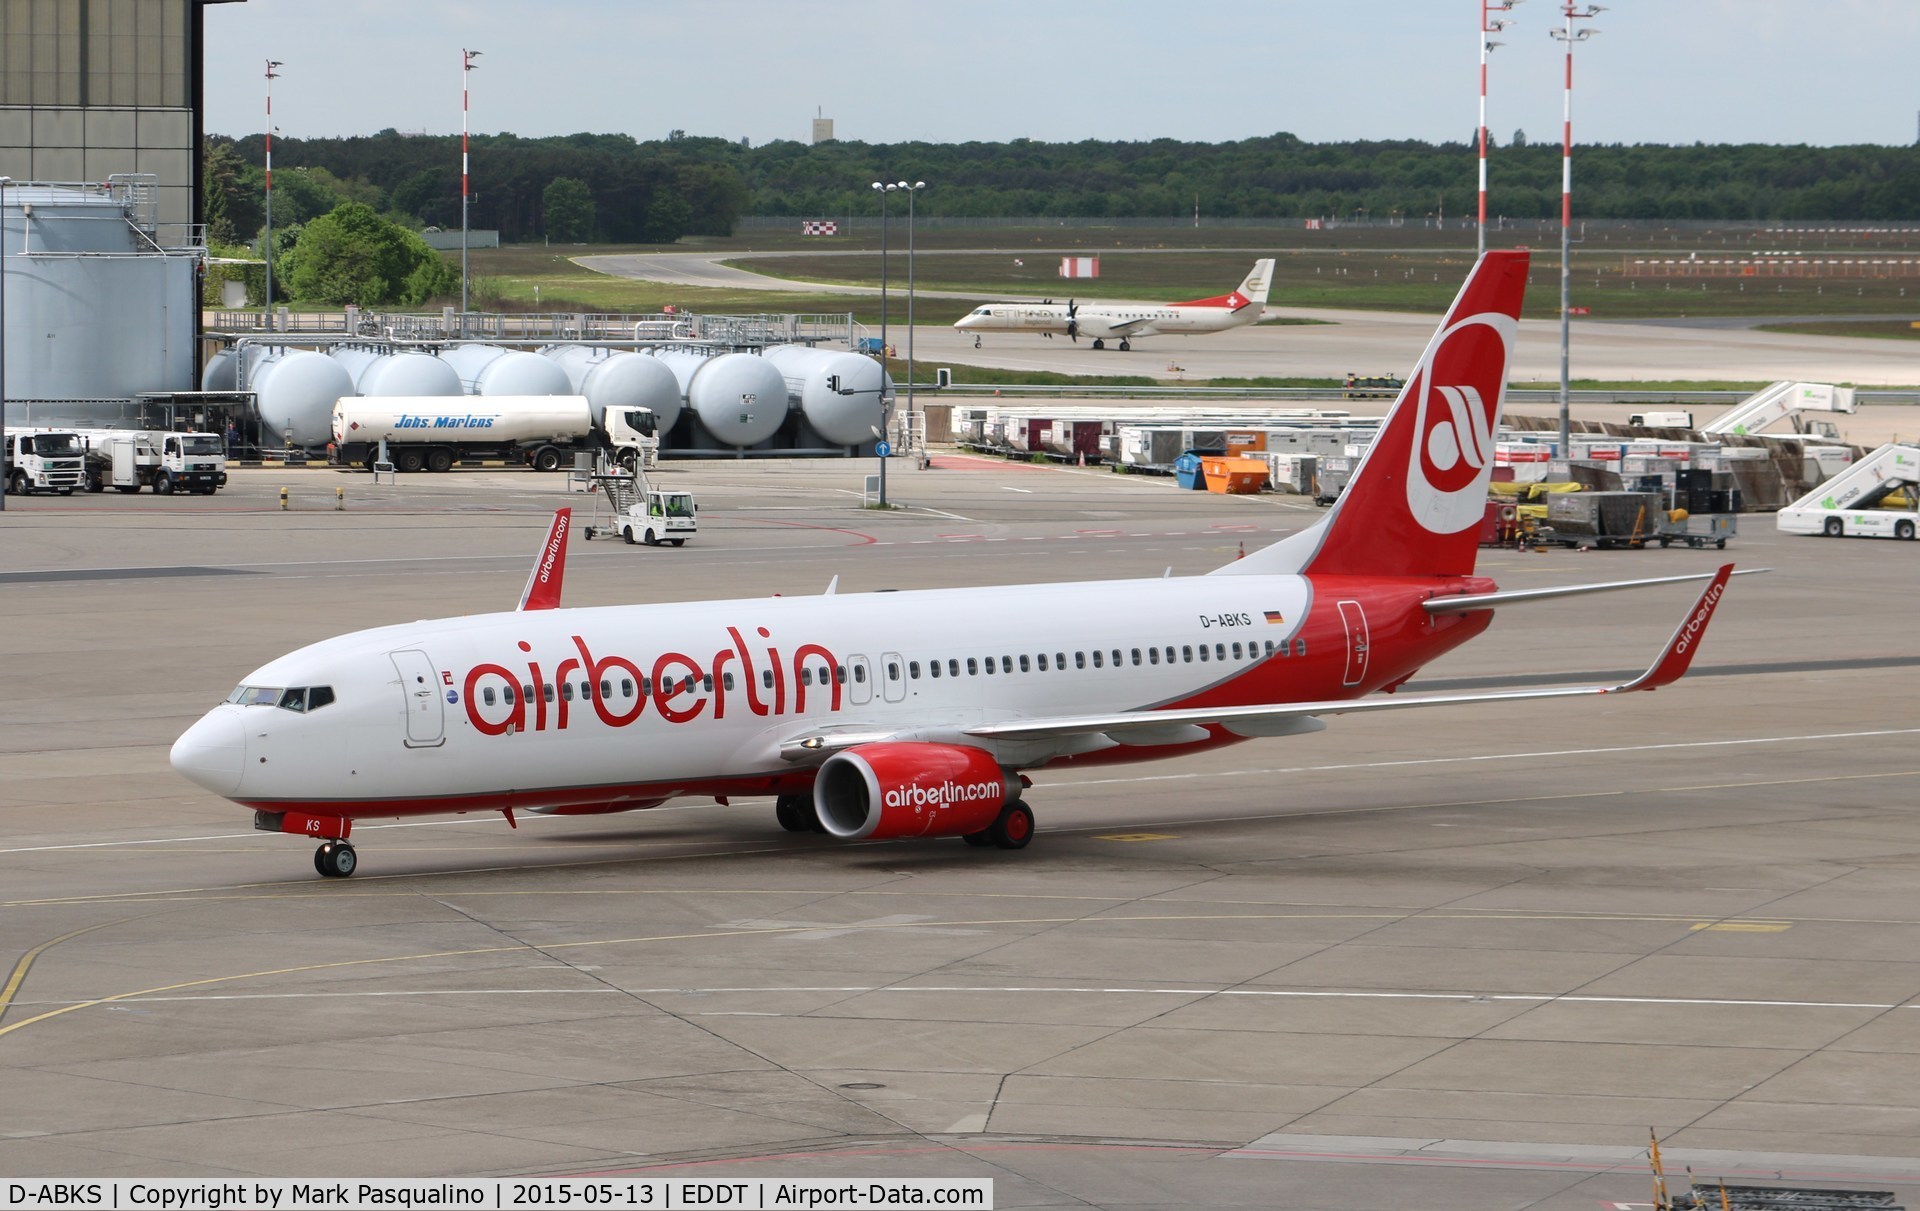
pixel 492 370
pixel 740 398
pixel 841 393
pixel 616 378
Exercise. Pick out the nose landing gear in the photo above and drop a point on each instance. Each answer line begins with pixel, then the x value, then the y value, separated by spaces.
pixel 335 860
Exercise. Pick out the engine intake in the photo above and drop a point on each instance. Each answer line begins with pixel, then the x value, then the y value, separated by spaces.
pixel 910 789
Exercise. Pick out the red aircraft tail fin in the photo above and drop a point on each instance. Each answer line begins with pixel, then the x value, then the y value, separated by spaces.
pixel 549 567
pixel 1414 506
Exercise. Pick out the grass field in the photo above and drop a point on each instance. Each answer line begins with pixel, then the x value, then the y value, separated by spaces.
pixel 1410 268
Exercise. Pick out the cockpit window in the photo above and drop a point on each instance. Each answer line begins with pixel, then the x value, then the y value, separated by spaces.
pixel 301 699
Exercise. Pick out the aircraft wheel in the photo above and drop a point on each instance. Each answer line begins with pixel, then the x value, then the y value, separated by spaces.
pixel 979 840
pixel 1901 529
pixel 1014 828
pixel 1098 343
pixel 1125 347
pixel 335 860
pixel 794 812
pixel 1835 528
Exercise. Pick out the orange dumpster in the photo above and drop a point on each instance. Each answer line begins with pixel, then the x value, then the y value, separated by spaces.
pixel 1239 476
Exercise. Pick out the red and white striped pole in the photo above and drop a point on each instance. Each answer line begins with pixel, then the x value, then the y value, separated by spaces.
pixel 1489 25
pixel 271 77
pixel 1568 36
pixel 466 65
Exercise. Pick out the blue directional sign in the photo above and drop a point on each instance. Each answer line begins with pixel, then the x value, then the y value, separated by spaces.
pixel 883 449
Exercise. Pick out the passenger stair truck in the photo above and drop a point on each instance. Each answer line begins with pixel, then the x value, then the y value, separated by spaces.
pixel 131 459
pixel 643 513
pixel 435 432
pixel 1780 401
pixel 1878 496
pixel 43 460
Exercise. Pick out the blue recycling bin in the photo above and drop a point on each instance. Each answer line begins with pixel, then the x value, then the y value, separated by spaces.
pixel 1186 471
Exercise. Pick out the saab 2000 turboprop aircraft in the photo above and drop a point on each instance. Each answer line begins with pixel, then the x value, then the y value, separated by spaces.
pixel 914 714
pixel 1105 321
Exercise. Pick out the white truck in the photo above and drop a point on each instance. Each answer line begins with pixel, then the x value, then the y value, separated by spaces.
pixel 130 459
pixel 434 432
pixel 43 460
pixel 1877 497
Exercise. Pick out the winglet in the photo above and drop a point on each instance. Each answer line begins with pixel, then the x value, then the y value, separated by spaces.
pixel 1678 654
pixel 543 584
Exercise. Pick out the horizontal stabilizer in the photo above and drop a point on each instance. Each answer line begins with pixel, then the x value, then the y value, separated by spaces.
pixel 1462 602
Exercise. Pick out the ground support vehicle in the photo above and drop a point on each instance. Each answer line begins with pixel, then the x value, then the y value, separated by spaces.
pixel 1698 529
pixel 642 513
pixel 1877 497
pixel 43 460
pixel 131 459
pixel 433 433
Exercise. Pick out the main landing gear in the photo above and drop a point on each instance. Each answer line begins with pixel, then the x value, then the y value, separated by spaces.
pixel 1012 829
pixel 796 814
pixel 335 860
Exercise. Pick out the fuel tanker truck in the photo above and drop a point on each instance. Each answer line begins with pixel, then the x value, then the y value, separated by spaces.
pixel 433 432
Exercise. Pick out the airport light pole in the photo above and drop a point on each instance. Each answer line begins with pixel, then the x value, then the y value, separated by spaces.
pixel 1489 26
pixel 271 77
pixel 886 410
pixel 1568 36
pixel 466 68
pixel 912 189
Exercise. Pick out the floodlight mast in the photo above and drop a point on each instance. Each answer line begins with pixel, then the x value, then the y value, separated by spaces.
pixel 1489 25
pixel 1568 36
pixel 467 65
pixel 271 77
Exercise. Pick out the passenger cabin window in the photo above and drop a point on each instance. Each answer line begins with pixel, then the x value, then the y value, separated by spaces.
pixel 1079 660
pixel 1203 653
pixel 566 690
pixel 1025 665
pixel 933 667
pixel 1043 661
pixel 1153 655
pixel 913 671
pixel 859 674
pixel 953 668
pixel 989 666
pixel 893 670
pixel 626 686
pixel 1060 661
pixel 1136 656
pixel 1186 654
pixel 766 678
pixel 973 666
pixel 1096 658
pixel 486 695
pixel 1299 647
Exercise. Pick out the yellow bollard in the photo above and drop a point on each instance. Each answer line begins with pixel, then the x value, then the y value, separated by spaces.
pixel 339 500
pixel 283 500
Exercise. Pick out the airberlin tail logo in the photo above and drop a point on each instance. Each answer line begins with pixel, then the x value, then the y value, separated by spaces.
pixel 1458 392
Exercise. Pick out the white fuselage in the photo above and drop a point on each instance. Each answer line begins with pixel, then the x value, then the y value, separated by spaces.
pixel 1107 321
pixel 605 708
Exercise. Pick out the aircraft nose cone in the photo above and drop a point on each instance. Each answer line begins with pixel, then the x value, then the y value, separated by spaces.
pixel 212 752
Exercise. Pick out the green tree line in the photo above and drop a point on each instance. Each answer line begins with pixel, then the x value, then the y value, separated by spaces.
pixel 621 190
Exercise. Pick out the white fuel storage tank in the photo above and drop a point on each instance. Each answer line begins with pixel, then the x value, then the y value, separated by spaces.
pixel 841 394
pixel 493 370
pixel 616 378
pixel 294 390
pixel 378 371
pixel 740 399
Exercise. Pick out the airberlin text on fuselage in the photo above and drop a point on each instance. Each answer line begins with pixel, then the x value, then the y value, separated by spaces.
pixel 683 689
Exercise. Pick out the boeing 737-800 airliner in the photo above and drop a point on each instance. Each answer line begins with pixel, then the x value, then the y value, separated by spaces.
pixel 1125 321
pixel 912 714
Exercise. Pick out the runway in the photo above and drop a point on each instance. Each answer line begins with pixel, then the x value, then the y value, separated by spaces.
pixel 1334 343
pixel 1451 961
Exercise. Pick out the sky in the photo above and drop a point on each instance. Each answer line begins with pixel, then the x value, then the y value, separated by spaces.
pixel 949 71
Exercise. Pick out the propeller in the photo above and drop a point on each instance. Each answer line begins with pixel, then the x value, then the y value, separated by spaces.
pixel 1073 325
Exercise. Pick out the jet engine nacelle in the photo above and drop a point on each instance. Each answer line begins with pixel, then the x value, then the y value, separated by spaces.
pixel 910 789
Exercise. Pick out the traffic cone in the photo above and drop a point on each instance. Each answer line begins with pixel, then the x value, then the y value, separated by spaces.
pixel 1243 550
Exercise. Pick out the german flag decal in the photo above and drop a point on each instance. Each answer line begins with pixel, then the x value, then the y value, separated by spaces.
pixel 1274 616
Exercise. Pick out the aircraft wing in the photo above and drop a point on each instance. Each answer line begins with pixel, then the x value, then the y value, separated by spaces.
pixel 1126 327
pixel 1176 726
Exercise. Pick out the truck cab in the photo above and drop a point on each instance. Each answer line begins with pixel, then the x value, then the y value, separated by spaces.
pixel 50 460
pixel 131 459
pixel 634 436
